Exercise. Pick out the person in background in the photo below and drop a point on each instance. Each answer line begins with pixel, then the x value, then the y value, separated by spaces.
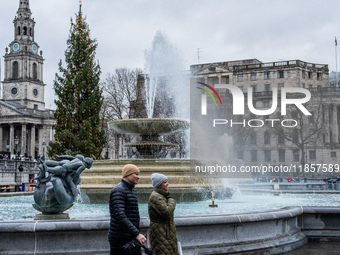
pixel 124 213
pixel 162 230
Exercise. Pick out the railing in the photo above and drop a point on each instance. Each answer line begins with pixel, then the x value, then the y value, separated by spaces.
pixel 12 165
pixel 281 64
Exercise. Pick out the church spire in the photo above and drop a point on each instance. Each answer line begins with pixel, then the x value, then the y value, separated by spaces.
pixel 24 10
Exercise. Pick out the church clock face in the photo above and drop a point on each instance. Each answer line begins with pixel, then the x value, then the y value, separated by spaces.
pixel 34 48
pixel 16 46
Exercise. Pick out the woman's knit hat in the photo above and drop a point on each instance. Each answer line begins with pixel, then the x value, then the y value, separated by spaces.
pixel 158 179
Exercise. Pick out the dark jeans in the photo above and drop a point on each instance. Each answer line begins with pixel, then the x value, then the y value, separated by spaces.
pixel 117 250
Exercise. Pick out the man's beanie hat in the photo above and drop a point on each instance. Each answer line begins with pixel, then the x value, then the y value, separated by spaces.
pixel 157 179
pixel 130 169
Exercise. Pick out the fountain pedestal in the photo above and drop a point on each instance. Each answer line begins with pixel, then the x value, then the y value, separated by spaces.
pixel 59 216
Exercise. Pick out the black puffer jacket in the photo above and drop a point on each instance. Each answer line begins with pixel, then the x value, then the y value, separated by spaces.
pixel 124 224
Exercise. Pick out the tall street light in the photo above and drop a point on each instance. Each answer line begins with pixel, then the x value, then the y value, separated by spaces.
pixel 16 141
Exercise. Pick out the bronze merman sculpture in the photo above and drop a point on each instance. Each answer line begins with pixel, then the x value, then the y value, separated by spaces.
pixel 57 183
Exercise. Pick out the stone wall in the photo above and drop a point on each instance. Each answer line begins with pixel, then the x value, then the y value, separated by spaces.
pixel 271 232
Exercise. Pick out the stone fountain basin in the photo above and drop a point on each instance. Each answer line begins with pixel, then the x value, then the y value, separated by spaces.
pixel 148 126
pixel 150 143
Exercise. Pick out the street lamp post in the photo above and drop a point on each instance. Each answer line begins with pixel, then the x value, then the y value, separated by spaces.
pixel 16 141
pixel 44 146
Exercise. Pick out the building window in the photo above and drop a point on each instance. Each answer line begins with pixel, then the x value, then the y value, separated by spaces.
pixel 266 137
pixel 240 77
pixel 330 114
pixel 295 136
pixel 225 80
pixel 333 154
pixel 25 31
pixel 253 138
pixel 253 156
pixel 266 75
pixel 312 155
pixel 15 70
pixel 35 107
pixel 281 85
pixel 254 88
pixel 240 155
pixel 35 72
pixel 35 92
pixel 267 87
pixel 319 76
pixel 280 74
pixel 310 75
pixel 280 138
pixel 14 91
pixel 311 117
pixel 18 30
pixel 282 155
pixel 267 156
pixel 215 80
pixel 253 76
pixel 296 155
pixel 303 74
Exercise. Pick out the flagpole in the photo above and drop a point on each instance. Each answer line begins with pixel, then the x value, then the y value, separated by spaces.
pixel 336 62
pixel 1 92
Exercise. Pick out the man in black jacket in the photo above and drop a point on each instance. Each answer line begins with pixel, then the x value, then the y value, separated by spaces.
pixel 124 224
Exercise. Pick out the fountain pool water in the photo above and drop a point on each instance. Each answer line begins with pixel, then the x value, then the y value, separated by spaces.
pixel 20 208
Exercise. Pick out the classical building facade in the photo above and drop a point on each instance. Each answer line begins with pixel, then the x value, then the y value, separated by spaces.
pixel 25 124
pixel 265 145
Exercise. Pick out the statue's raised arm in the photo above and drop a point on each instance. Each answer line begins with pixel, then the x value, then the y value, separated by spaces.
pixel 62 157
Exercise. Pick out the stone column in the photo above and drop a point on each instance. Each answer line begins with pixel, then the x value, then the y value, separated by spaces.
pixel 32 150
pixel 23 149
pixel 1 139
pixel 42 138
pixel 220 79
pixel 11 138
pixel 335 124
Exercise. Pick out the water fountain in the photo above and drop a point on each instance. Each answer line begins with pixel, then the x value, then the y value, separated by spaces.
pixel 164 78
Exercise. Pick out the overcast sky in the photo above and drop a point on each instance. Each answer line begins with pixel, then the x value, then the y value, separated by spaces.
pixel 224 30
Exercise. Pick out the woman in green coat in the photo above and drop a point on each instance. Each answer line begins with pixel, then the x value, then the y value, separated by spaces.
pixel 162 230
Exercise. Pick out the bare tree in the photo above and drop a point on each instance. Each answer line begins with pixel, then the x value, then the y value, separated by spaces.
pixel 310 128
pixel 121 92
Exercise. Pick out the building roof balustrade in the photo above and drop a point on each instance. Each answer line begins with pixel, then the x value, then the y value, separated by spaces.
pixel 282 64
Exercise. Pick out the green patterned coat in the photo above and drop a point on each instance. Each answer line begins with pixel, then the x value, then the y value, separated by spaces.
pixel 162 231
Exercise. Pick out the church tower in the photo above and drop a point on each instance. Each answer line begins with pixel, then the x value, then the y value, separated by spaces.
pixel 23 72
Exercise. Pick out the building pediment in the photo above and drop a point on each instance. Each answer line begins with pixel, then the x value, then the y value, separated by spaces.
pixel 9 110
pixel 205 69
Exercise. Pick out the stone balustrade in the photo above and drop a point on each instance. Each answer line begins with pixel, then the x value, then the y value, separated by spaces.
pixel 10 174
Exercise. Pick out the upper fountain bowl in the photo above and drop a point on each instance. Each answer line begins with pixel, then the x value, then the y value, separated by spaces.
pixel 148 126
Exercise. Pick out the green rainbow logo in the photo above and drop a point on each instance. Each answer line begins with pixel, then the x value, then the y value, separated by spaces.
pixel 209 93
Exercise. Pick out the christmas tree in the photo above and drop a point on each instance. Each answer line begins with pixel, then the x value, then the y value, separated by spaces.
pixel 77 130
